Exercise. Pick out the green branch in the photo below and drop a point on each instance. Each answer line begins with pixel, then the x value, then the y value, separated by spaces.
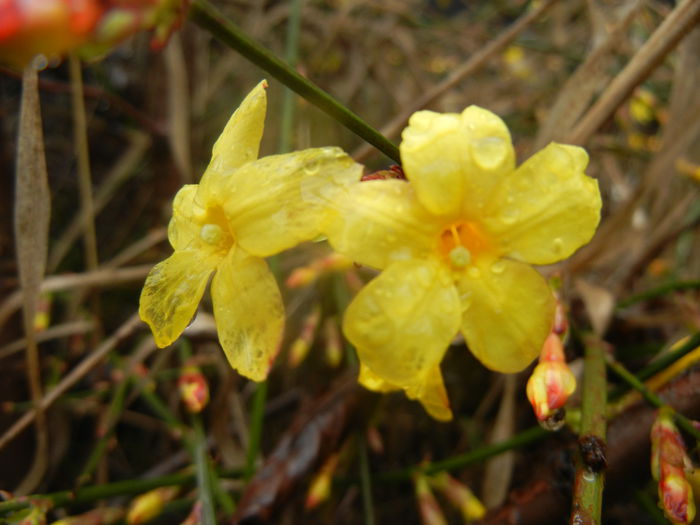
pixel 208 17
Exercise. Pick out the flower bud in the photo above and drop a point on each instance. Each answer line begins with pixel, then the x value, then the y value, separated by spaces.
pixel 552 382
pixel 301 346
pixel 669 461
pixel 194 390
pixel 149 505
pixel 430 511
pixel 459 495
pixel 320 488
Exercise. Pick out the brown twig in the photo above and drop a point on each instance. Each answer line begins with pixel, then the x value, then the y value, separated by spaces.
pixel 124 331
pixel 662 41
pixel 473 64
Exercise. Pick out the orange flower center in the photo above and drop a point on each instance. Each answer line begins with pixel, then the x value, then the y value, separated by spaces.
pixel 460 243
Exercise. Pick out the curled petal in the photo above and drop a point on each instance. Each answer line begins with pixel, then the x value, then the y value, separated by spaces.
pixel 279 201
pixel 249 313
pixel 379 222
pixel 403 321
pixel 172 292
pixel 183 229
pixel 429 390
pixel 237 145
pixel 456 160
pixel 507 313
pixel 548 208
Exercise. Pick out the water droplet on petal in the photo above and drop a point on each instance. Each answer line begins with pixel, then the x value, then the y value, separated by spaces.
pixel 474 272
pixel 509 215
pixel 557 245
pixel 498 267
pixel 312 167
pixel 489 152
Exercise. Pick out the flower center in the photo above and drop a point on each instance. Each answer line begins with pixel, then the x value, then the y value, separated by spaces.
pixel 460 242
pixel 215 230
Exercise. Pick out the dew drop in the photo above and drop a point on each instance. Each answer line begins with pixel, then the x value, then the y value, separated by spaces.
pixel 557 245
pixel 40 62
pixel 474 272
pixel 509 215
pixel 489 152
pixel 498 267
pixel 312 167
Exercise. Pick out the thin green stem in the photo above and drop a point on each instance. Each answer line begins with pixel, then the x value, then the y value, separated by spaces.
pixel 650 396
pixel 589 480
pixel 208 17
pixel 658 292
pixel 106 430
pixel 256 424
pixel 204 479
pixel 80 136
pixel 366 483
pixel 522 439
pixel 291 56
pixel 669 358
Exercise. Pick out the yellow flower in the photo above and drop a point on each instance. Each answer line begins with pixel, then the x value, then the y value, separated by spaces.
pixel 242 210
pixel 456 243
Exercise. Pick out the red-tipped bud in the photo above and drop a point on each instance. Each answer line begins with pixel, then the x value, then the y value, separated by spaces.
pixel 430 511
pixel 334 344
pixel 301 346
pixel 306 275
pixel 552 382
pixel 460 496
pixel 320 488
pixel 194 390
pixel 668 463
pixel 149 505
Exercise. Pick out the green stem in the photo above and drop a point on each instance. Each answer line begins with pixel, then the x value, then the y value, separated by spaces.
pixel 204 479
pixel 211 19
pixel 291 56
pixel 669 358
pixel 87 495
pixel 650 396
pixel 116 407
pixel 366 483
pixel 522 439
pixel 256 424
pixel 589 480
pixel 658 292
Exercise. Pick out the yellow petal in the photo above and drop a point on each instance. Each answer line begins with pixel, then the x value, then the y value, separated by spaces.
pixel 547 208
pixel 402 321
pixel 172 292
pixel 279 201
pixel 454 160
pixel 183 229
pixel 249 313
pixel 508 310
pixel 432 395
pixel 379 222
pixel 429 390
pixel 238 143
pixel 373 382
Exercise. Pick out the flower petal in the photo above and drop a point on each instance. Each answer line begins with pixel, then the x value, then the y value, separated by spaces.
pixel 548 207
pixel 455 160
pixel 238 143
pixel 279 201
pixel 508 310
pixel 381 221
pixel 430 391
pixel 183 229
pixel 172 292
pixel 249 313
pixel 403 321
